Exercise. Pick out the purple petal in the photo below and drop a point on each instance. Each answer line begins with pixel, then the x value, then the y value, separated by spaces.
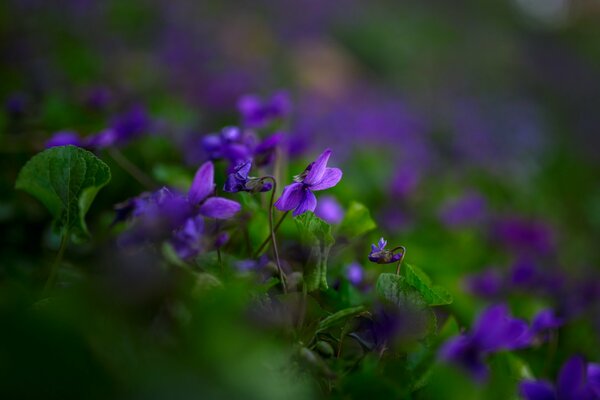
pixel 355 273
pixel 330 178
pixel 203 184
pixel 545 320
pixel 317 169
pixel 571 378
pixel 219 207
pixel 64 138
pixel 291 197
pixel 593 376
pixel 536 390
pixel 308 203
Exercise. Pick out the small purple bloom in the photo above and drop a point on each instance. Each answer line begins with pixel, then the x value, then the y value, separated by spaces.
pixel 380 255
pixel 64 138
pixel 544 322
pixel 524 236
pixel 265 151
pixel 495 330
pixel 102 140
pixel 201 196
pixel 575 381
pixel 469 210
pixel 355 273
pixel 232 144
pixel 239 181
pixel 257 113
pixel 187 240
pixel 329 210
pixel 131 124
pixel 299 196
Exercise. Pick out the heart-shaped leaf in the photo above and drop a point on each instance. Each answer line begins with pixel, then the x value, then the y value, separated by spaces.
pixel 433 294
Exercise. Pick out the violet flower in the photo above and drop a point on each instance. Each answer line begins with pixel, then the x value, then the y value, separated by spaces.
pixel 187 239
pixel 299 196
pixel 543 323
pixel 201 195
pixel 329 210
pixel 257 113
pixel 232 144
pixel 355 273
pixel 64 138
pixel 264 152
pixel 495 330
pixel 239 181
pixel 380 255
pixel 576 381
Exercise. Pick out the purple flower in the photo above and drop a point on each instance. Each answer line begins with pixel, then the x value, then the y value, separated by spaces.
pixel 201 196
pixel 495 330
pixel 265 151
pixel 329 210
pixel 487 283
pixel 257 113
pixel 239 181
pixel 299 196
pixel 355 273
pixel 466 211
pixel 102 140
pixel 524 236
pixel 187 239
pixel 575 381
pixel 64 138
pixel 131 124
pixel 232 144
pixel 380 255
pixel 544 322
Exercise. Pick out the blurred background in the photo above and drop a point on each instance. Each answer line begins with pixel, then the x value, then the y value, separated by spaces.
pixel 470 129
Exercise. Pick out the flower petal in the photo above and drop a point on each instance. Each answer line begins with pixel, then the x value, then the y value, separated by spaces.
pixel 536 390
pixel 318 168
pixel 291 197
pixel 571 378
pixel 330 178
pixel 308 203
pixel 203 184
pixel 219 207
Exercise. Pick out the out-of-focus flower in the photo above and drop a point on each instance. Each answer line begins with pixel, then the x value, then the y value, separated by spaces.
pixel 187 239
pixel 98 98
pixel 380 255
pixel 239 181
pixel 487 283
pixel 265 151
pixel 468 210
pixel 232 144
pixel 64 138
pixel 523 236
pixel 355 273
pixel 257 113
pixel 576 381
pixel 299 196
pixel 544 322
pixel 495 330
pixel 329 210
pixel 131 124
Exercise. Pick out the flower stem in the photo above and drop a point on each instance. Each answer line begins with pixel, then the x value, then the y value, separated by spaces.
pixel 57 261
pixel 273 239
pixel 401 258
pixel 131 168
pixel 264 243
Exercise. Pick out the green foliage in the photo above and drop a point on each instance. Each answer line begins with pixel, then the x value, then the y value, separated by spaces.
pixel 316 234
pixel 357 220
pixel 434 295
pixel 172 175
pixel 339 317
pixel 66 180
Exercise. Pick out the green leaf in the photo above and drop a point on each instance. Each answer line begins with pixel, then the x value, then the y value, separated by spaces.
pixel 434 295
pixel 66 180
pixel 339 317
pixel 315 233
pixel 357 221
pixel 395 290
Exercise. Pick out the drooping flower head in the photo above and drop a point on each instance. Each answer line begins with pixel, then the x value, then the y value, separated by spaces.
pixel 239 181
pixel 575 381
pixel 380 255
pixel 299 195
pixel 495 330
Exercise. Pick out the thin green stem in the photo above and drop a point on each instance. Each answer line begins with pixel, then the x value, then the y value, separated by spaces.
pixel 282 277
pixel 266 241
pixel 131 168
pixel 57 261
pixel 401 257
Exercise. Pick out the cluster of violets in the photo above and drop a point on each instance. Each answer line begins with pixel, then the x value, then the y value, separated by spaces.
pixel 182 220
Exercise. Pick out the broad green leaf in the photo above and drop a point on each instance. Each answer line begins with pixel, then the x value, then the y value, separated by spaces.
pixel 434 295
pixel 339 317
pixel 394 289
pixel 66 180
pixel 357 221
pixel 315 233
